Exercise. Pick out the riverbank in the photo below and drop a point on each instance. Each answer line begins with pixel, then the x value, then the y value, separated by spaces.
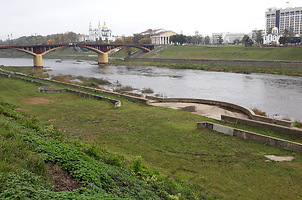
pixel 223 58
pixel 222 67
pixel 167 140
pixel 228 52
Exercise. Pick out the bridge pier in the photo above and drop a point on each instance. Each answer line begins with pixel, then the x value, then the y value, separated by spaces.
pixel 103 58
pixel 38 61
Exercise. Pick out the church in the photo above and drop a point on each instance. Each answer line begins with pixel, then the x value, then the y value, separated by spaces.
pixel 272 38
pixel 101 33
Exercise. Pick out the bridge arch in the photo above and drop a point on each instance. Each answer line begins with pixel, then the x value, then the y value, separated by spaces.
pixel 37 51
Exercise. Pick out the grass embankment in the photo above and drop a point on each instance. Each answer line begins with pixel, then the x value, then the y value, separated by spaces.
pixel 36 163
pixel 168 141
pixel 217 68
pixel 226 52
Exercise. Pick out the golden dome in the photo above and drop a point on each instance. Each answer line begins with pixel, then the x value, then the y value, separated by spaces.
pixel 104 26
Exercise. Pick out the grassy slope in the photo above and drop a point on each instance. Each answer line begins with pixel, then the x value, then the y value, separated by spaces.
pixel 168 141
pixel 231 52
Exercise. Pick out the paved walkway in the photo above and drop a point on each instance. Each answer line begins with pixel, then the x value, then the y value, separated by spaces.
pixel 210 111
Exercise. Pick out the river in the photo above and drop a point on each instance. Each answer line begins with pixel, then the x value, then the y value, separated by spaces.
pixel 277 95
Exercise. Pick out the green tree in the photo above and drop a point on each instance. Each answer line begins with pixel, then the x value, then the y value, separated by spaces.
pixel 259 38
pixel 207 40
pixel 189 39
pixel 220 40
pixel 289 34
pixel 145 40
pixel 236 42
pixel 136 38
pixel 118 41
pixel 128 40
pixel 71 37
pixel 246 40
pixel 178 39
pixel 197 39
pixel 282 40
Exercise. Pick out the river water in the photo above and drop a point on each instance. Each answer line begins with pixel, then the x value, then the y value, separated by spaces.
pixel 277 95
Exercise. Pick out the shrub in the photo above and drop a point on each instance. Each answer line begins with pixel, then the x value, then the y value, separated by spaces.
pixel 259 112
pixel 298 124
pixel 147 90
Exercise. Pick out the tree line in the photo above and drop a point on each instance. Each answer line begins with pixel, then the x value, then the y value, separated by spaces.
pixel 70 37
pixel 67 37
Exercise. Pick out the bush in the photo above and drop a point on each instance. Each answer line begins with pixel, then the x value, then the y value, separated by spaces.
pixel 147 90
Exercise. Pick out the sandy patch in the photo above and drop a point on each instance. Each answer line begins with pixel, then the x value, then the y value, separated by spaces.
pixel 21 109
pixel 39 100
pixel 279 158
pixel 210 111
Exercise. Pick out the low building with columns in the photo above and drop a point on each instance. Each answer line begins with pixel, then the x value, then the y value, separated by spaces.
pixel 159 36
pixel 162 38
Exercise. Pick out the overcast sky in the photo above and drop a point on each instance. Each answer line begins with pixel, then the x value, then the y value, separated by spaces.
pixel 126 17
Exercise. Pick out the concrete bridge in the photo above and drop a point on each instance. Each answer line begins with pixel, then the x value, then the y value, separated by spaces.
pixel 37 51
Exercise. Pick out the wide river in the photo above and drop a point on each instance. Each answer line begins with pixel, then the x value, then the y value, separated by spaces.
pixel 277 95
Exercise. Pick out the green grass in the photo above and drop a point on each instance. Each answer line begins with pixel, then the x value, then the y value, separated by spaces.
pixel 218 68
pixel 27 147
pixel 226 52
pixel 123 52
pixel 168 141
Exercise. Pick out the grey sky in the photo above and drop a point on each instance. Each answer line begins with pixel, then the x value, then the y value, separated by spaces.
pixel 126 17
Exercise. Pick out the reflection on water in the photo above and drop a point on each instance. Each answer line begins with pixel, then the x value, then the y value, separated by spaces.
pixel 274 94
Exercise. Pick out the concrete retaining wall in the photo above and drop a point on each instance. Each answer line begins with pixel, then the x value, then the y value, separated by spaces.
pixel 272 141
pixel 241 63
pixel 132 98
pixel 240 108
pixel 129 97
pixel 281 129
pixel 46 89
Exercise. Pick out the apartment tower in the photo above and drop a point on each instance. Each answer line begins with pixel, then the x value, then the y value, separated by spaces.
pixel 288 18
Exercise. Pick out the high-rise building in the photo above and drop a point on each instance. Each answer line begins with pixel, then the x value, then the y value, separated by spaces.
pixel 288 18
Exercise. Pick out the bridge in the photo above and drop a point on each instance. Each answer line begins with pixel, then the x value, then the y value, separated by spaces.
pixel 102 50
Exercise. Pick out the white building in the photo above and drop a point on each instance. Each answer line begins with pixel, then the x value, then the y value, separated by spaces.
pixel 102 33
pixel 230 38
pixel 227 38
pixel 288 18
pixel 159 36
pixel 273 38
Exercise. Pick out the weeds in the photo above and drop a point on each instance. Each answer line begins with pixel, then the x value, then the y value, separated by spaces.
pixel 124 89
pixel 259 112
pixel 102 175
pixel 147 90
pixel 297 124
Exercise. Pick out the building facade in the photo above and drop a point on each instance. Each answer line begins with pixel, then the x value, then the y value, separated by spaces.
pixel 284 19
pixel 272 38
pixel 159 36
pixel 227 38
pixel 102 33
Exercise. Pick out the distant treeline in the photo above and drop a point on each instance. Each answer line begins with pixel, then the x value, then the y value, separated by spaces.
pixel 39 39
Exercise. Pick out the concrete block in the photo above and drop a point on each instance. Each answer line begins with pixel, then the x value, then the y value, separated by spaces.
pixel 223 129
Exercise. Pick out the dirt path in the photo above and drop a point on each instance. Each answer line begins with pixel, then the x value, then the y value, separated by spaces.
pixel 210 111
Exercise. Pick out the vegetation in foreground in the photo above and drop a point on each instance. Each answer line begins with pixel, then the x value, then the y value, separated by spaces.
pixel 166 140
pixel 28 149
